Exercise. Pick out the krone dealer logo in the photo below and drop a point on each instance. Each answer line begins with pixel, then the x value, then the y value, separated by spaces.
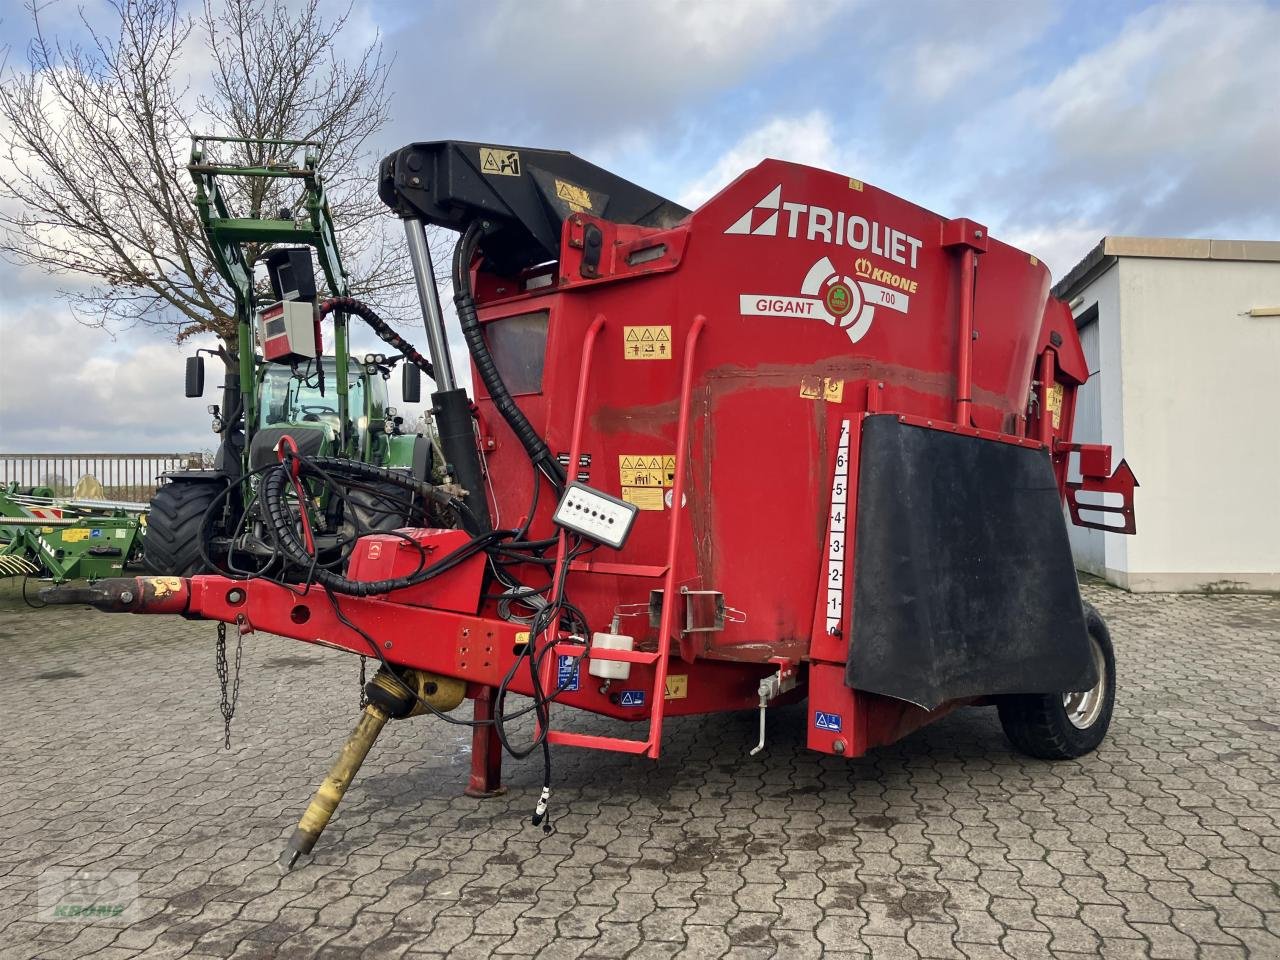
pixel 829 296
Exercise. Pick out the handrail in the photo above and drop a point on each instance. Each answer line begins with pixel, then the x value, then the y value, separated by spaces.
pixel 673 541
pixel 575 450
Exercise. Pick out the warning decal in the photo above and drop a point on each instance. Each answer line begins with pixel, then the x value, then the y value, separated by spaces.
pixel 74 535
pixel 575 197
pixel 1055 404
pixel 646 498
pixel 646 470
pixel 497 161
pixel 646 343
pixel 632 698
pixel 677 687
pixel 830 389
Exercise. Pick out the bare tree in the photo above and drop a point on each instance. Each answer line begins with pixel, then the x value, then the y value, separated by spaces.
pixel 94 185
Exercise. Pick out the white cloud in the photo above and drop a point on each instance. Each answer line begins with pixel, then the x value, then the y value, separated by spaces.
pixel 954 53
pixel 65 386
pixel 68 387
pixel 1059 245
pixel 1168 128
pixel 589 71
pixel 809 139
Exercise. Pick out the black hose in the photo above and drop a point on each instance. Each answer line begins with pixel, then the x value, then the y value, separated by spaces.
pixel 282 522
pixel 358 308
pixel 533 444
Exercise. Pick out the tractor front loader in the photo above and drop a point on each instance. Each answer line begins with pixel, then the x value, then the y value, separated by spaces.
pixel 808 440
pixel 280 382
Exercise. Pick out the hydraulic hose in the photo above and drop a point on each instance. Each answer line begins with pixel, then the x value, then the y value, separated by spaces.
pixel 282 521
pixel 358 308
pixel 533 444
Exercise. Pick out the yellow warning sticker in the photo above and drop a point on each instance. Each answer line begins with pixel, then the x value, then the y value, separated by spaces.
pixel 578 199
pixel 74 535
pixel 498 161
pixel 646 343
pixel 677 687
pixel 830 389
pixel 646 498
pixel 522 638
pixel 646 470
pixel 164 586
pixel 1055 404
pixel 855 184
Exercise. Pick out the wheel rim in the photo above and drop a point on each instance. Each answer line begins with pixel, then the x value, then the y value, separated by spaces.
pixel 1084 708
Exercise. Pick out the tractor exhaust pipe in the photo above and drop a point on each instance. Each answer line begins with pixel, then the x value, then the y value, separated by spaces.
pixel 126 595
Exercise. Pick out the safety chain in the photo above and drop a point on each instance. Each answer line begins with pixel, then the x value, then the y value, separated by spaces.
pixel 364 696
pixel 228 707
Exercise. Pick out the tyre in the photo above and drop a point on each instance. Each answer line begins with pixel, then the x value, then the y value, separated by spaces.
pixel 172 544
pixel 1060 726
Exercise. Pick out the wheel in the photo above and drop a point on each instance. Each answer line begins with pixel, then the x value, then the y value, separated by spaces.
pixel 1062 726
pixel 172 544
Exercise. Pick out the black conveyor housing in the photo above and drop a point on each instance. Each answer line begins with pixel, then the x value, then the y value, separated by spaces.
pixel 524 195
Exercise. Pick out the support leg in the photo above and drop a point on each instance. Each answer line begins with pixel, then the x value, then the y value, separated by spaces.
pixel 486 751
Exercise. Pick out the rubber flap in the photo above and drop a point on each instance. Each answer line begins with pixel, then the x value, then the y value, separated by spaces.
pixel 964 584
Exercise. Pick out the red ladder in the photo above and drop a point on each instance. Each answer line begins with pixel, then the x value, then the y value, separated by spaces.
pixel 652 744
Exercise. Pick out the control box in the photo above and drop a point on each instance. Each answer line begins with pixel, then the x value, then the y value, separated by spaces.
pixel 595 515
pixel 289 331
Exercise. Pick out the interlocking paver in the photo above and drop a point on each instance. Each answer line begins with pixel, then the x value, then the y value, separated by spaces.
pixel 1164 843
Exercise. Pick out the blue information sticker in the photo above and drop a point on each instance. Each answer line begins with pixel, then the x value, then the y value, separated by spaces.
pixel 827 721
pixel 567 673
pixel 95 533
pixel 632 698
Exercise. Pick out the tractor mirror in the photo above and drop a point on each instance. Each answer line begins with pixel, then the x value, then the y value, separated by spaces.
pixel 195 376
pixel 410 383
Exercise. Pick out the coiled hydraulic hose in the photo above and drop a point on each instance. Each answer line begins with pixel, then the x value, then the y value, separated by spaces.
pixel 282 520
pixel 533 444
pixel 358 308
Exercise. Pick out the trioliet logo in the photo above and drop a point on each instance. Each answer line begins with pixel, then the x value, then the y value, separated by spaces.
pixel 774 217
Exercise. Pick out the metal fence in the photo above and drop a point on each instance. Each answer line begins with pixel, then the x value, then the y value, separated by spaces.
pixel 124 476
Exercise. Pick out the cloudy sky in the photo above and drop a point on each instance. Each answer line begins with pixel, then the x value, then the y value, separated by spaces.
pixel 1055 123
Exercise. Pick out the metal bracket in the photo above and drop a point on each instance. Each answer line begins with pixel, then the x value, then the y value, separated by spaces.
pixel 704 611
pixel 772 687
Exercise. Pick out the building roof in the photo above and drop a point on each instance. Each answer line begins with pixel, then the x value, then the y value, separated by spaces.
pixel 1110 249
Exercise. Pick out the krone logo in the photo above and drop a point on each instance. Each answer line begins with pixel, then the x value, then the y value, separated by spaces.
pixel 829 296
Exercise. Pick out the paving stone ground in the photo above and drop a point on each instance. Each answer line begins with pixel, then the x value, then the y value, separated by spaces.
pixel 1165 843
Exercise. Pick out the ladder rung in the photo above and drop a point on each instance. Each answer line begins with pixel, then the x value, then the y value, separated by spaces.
pixel 625 656
pixel 603 653
pixel 620 744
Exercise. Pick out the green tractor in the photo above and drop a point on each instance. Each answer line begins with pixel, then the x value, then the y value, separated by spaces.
pixel 280 384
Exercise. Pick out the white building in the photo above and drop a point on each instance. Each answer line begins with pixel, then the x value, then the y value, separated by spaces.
pixel 1182 338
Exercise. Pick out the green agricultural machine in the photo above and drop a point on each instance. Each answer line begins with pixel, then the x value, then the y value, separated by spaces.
pixel 279 382
pixel 66 538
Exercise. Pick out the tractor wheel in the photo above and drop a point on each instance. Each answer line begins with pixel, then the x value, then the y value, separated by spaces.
pixel 1067 725
pixel 172 545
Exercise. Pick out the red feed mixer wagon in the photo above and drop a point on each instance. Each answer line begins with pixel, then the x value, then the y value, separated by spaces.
pixel 808 441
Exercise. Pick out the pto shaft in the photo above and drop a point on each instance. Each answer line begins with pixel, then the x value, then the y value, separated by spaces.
pixel 334 787
pixel 390 697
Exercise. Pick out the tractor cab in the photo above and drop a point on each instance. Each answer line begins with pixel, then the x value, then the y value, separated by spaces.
pixel 306 401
